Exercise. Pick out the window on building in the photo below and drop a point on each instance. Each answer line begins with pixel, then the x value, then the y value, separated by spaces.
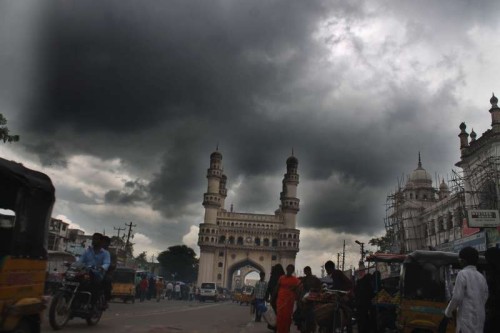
pixel 222 239
pixel 239 241
pixel 257 241
pixel 231 239
pixel 266 242
pixel 221 254
pixel 274 243
pixel 219 276
pixel 219 264
pixel 273 257
pixel 440 224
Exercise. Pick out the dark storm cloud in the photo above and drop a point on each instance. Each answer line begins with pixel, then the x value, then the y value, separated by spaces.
pixel 48 153
pixel 133 192
pixel 163 82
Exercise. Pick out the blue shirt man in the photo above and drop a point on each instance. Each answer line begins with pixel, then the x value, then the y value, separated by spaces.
pixel 95 255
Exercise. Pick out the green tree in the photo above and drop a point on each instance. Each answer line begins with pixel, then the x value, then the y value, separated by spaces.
pixel 179 260
pixel 383 243
pixel 142 259
pixel 4 131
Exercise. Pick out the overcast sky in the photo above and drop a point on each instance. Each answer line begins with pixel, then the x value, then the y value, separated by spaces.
pixel 122 103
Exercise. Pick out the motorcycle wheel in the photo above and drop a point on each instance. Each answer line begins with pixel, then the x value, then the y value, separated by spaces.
pixel 96 312
pixel 59 311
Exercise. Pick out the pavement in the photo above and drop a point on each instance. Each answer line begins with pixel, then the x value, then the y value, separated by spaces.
pixel 253 327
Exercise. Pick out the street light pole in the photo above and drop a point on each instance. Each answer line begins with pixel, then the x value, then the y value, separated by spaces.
pixel 362 245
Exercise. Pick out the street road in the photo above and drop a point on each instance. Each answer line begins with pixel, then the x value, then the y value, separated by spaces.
pixel 170 316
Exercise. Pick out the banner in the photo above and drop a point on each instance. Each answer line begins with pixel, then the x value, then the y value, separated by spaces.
pixel 477 241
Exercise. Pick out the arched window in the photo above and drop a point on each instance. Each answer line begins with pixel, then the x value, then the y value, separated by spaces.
pixel 212 240
pixel 289 244
pixel 231 239
pixel 257 241
pixel 207 239
pixel 294 236
pixel 239 241
pixel 275 243
pixel 266 241
pixel 221 254
pixel 219 276
pixel 219 264
pixel 289 235
pixel 222 239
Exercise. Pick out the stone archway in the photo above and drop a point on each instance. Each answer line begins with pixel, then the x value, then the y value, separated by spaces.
pixel 245 267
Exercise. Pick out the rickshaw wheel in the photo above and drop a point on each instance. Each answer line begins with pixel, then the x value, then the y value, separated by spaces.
pixel 95 316
pixel 59 311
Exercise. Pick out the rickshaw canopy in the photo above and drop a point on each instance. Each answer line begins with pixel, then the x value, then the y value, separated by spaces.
pixel 386 257
pixel 124 275
pixel 438 258
pixel 31 195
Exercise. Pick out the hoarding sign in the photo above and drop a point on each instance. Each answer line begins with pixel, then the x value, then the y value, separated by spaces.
pixel 493 236
pixel 483 218
pixel 477 241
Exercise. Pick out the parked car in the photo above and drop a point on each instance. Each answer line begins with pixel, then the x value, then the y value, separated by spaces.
pixel 208 290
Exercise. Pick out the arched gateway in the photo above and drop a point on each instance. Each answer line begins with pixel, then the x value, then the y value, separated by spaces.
pixel 232 242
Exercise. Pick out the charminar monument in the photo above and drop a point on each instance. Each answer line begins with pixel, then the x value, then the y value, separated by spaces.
pixel 234 244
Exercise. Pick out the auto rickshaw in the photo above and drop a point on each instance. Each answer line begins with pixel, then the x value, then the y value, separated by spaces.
pixel 123 282
pixel 27 196
pixel 426 286
pixel 247 295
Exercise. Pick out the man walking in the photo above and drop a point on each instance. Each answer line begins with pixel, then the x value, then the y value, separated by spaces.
pixel 260 295
pixel 469 294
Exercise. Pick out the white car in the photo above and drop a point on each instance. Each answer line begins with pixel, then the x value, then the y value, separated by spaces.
pixel 208 290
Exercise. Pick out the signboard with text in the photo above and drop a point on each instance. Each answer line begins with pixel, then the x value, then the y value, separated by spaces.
pixel 477 241
pixel 483 218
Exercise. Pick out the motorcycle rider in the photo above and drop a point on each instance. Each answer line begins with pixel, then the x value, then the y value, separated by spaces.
pixel 99 260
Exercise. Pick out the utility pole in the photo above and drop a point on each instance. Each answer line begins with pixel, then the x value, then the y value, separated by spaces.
pixel 338 260
pixel 130 226
pixel 343 256
pixel 118 229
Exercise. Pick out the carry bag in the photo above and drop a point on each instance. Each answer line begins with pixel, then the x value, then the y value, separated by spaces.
pixel 270 316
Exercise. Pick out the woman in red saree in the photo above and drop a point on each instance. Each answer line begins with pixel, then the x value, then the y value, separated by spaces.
pixel 287 294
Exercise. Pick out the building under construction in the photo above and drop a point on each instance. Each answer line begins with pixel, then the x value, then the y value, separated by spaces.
pixel 420 215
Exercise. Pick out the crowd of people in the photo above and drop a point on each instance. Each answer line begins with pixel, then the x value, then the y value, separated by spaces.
pixel 283 290
pixel 157 288
pixel 475 301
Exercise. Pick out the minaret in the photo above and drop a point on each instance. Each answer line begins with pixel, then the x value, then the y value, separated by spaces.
pixel 223 191
pixel 212 199
pixel 495 114
pixel 289 200
pixel 464 138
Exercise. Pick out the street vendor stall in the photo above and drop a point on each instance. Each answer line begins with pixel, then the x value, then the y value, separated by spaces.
pixel 385 279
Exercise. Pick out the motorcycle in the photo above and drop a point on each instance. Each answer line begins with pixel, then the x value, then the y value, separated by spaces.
pixel 74 298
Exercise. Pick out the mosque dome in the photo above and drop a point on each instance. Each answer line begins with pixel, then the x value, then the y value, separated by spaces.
pixel 443 186
pixel 494 100
pixel 216 155
pixel 292 160
pixel 473 135
pixel 420 176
